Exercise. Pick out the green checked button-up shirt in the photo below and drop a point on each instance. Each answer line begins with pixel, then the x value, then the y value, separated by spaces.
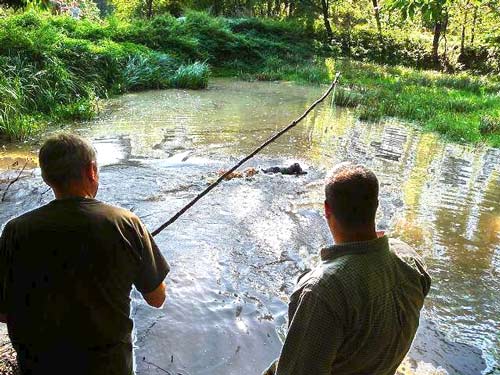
pixel 357 312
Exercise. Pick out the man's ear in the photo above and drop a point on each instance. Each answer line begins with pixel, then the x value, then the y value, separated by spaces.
pixel 95 171
pixel 91 171
pixel 328 210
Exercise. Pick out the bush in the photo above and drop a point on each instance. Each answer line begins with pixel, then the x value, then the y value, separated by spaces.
pixel 194 76
pixel 392 49
pixel 58 68
pixel 346 97
pixel 489 125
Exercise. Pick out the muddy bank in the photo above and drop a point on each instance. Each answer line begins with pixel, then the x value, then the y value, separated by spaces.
pixel 229 286
pixel 430 345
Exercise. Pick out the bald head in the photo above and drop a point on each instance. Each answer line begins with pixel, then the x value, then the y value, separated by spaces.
pixel 351 192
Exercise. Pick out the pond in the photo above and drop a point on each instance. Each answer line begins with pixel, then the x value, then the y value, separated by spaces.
pixel 236 254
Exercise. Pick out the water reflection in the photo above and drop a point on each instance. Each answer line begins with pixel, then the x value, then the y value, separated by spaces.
pixel 236 254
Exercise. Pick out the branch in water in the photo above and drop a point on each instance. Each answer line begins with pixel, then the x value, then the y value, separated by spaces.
pixel 13 181
pixel 156 366
pixel 245 159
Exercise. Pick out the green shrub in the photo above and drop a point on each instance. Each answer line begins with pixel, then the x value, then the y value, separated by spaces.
pixel 194 76
pixel 148 71
pixel 345 97
pixel 489 125
pixel 163 33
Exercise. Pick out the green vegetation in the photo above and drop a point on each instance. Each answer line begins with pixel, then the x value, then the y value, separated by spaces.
pixel 55 68
pixel 459 106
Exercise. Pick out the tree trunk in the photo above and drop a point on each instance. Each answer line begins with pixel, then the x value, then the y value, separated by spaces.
pixel 326 20
pixel 149 8
pixel 277 7
pixel 291 9
pixel 377 18
pixel 435 44
pixel 215 8
pixel 444 36
pixel 464 23
pixel 462 38
pixel 473 29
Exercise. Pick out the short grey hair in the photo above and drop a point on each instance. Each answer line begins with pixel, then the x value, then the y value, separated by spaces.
pixel 63 157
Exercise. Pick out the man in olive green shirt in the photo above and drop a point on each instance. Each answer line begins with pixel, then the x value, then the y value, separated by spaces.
pixel 358 311
pixel 67 269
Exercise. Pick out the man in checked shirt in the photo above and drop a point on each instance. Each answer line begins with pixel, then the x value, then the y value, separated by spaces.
pixel 358 311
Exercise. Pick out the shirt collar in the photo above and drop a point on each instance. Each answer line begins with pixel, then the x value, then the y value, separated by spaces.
pixel 73 199
pixel 335 251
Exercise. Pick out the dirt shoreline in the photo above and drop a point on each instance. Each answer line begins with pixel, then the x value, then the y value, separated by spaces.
pixel 431 354
pixel 7 359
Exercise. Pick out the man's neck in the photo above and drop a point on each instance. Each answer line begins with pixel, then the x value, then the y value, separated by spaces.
pixel 71 193
pixel 342 237
pixel 69 196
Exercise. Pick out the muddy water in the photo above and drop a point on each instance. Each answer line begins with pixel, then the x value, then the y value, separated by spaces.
pixel 236 254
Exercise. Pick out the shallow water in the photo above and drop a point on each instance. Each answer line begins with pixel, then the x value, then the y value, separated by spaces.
pixel 235 255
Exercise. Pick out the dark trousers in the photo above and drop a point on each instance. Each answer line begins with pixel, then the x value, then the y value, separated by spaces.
pixel 113 359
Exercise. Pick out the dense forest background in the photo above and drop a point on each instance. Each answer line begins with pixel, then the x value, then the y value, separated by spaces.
pixel 463 34
pixel 432 62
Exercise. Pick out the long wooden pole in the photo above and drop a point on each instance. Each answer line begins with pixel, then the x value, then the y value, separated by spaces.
pixel 246 158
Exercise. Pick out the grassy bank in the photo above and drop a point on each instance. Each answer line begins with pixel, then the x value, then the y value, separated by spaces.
pixel 461 107
pixel 55 69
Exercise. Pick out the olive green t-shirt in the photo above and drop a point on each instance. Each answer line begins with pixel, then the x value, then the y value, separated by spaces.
pixel 66 273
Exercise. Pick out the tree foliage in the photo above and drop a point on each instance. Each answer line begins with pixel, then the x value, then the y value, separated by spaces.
pixel 457 33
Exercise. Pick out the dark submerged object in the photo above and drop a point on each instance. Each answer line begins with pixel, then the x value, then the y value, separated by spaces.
pixel 294 169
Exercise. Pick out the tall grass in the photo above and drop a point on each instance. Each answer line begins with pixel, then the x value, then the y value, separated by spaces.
pixel 347 97
pixel 20 82
pixel 152 71
pixel 462 108
pixel 55 69
pixel 458 106
pixel 194 76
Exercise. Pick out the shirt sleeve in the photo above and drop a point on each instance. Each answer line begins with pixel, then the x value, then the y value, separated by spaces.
pixel 314 336
pixel 425 279
pixel 414 260
pixel 271 370
pixel 154 267
pixel 4 268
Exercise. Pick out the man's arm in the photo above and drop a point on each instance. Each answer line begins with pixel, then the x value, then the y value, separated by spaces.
pixel 314 336
pixel 4 271
pixel 156 298
pixel 153 270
